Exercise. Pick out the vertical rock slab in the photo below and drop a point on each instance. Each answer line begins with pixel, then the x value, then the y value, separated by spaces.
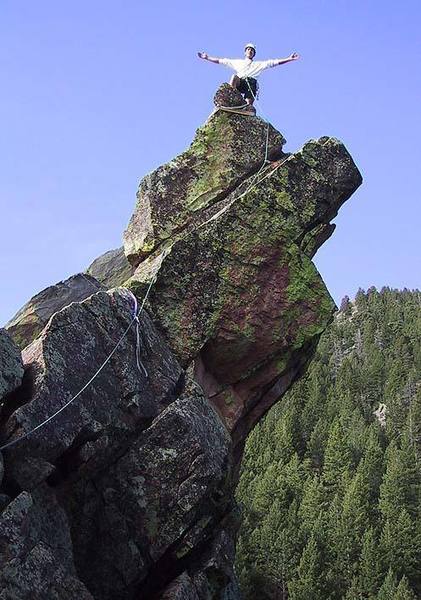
pixel 139 467
pixel 156 505
pixel 35 551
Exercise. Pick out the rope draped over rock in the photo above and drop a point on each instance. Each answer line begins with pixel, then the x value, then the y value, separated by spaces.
pixel 139 362
pixel 254 183
pixel 135 319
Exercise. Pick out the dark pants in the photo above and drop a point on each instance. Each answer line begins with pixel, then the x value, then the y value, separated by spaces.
pixel 248 87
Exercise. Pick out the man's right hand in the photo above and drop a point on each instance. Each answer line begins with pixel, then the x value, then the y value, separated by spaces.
pixel 202 55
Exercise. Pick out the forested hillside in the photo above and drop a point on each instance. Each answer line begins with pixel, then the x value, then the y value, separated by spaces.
pixel 331 479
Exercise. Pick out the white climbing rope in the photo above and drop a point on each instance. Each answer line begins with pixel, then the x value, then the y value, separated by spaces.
pixel 141 367
pixel 231 108
pixel 264 119
pixel 135 319
pixel 252 186
pixel 254 183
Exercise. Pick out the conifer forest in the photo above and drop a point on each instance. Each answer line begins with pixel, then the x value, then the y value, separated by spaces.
pixel 331 479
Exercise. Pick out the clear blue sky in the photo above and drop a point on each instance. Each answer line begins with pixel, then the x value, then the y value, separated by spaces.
pixel 97 93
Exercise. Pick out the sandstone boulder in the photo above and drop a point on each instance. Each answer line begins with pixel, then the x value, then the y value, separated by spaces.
pixel 239 295
pixel 138 467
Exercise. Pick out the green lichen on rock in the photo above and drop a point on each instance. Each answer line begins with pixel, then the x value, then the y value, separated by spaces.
pixel 210 146
pixel 313 239
pixel 305 281
pixel 237 287
pixel 26 329
pixel 226 150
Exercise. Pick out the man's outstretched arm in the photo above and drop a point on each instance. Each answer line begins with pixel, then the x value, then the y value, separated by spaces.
pixel 206 56
pixel 282 61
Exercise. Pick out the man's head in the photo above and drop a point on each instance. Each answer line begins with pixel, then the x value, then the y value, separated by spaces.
pixel 250 50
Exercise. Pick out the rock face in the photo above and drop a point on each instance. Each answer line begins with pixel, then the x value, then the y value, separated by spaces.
pixel 224 152
pixel 29 321
pixel 137 468
pixel 136 473
pixel 110 269
pixel 239 295
pixel 11 366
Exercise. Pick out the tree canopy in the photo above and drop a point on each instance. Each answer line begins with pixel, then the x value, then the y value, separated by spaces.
pixel 331 481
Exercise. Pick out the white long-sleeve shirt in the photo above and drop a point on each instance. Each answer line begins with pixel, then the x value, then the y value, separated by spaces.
pixel 246 67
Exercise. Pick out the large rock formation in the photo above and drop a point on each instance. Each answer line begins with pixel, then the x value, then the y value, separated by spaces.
pixel 128 491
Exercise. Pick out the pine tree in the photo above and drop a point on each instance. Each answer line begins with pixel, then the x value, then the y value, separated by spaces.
pixel 370 565
pixel 371 464
pixel 351 527
pixel 354 591
pixel 312 506
pixel 307 583
pixel 403 591
pixel 346 305
pixel 286 434
pixel 324 482
pixel 401 483
pixel 317 442
pixel 265 490
pixel 337 459
pixel 388 588
pixel 400 545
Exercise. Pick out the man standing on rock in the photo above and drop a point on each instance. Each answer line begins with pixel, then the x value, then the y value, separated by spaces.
pixel 247 70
